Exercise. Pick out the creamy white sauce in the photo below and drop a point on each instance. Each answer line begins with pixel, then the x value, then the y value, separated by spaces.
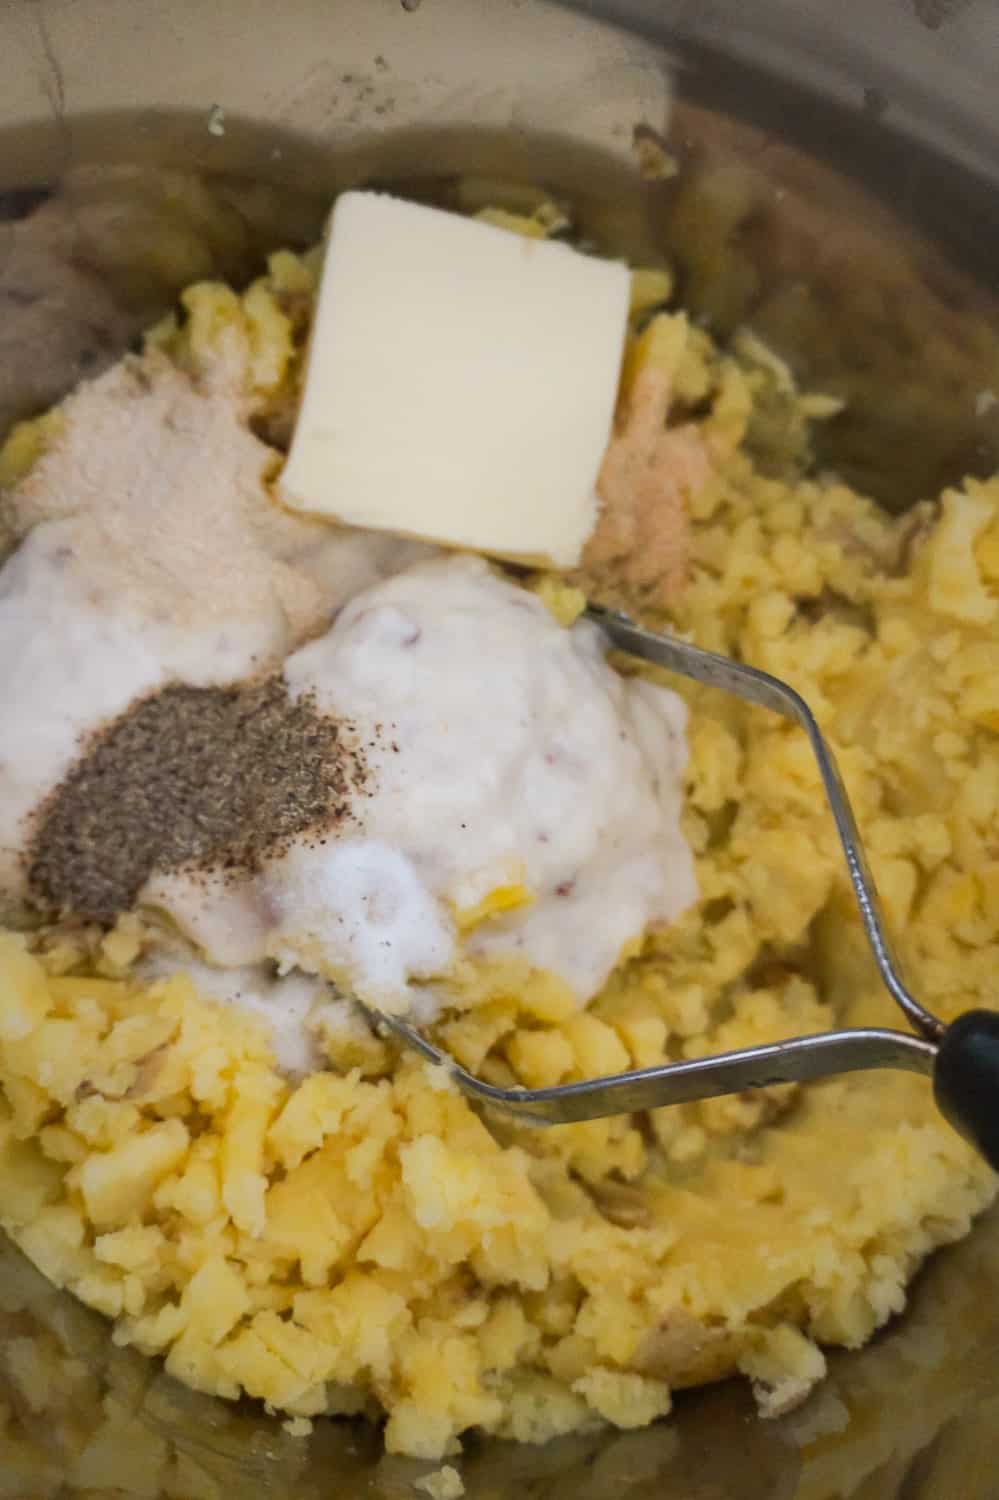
pixel 501 749
pixel 74 657
pixel 361 908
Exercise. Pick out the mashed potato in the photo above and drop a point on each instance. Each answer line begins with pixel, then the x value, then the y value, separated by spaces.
pixel 361 1240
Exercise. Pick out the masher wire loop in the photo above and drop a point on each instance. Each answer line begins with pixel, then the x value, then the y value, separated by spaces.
pixel 962 1059
pixel 754 686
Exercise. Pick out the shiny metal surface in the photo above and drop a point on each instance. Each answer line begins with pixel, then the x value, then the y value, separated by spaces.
pixel 802 206
pixel 802 1060
pixel 930 64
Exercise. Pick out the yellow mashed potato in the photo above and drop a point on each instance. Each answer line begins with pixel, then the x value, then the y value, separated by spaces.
pixel 363 1241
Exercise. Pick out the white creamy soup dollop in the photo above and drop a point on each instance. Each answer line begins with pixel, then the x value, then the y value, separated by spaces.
pixel 502 751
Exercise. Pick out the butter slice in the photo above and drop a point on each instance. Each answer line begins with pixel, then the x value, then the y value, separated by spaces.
pixel 461 382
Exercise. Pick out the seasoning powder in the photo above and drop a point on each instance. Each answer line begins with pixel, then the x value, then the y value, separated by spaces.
pixel 190 778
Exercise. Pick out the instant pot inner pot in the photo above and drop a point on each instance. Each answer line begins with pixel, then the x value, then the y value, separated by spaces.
pixel 102 220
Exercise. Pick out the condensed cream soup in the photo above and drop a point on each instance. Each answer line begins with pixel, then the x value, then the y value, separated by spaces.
pixel 502 753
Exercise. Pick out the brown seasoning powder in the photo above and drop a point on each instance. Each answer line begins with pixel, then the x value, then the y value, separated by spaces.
pixel 210 779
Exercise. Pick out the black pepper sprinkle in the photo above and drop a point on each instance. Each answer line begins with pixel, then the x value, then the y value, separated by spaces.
pixel 196 779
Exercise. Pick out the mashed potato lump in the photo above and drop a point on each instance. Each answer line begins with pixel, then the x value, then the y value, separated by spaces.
pixel 360 1240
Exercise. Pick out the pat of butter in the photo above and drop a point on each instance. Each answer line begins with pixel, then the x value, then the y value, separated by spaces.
pixel 461 382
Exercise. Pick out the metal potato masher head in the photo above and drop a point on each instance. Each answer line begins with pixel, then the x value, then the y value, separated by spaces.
pixel 962 1059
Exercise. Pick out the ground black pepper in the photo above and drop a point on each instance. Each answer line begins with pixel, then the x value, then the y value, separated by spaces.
pixel 190 778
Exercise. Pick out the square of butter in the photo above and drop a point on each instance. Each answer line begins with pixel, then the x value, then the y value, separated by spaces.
pixel 460 384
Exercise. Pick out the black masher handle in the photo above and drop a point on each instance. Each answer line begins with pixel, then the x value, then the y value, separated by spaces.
pixel 966 1080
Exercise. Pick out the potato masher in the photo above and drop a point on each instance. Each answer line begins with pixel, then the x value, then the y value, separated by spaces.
pixel 962 1059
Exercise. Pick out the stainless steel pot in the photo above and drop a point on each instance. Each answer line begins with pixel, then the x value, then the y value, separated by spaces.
pixel 828 175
